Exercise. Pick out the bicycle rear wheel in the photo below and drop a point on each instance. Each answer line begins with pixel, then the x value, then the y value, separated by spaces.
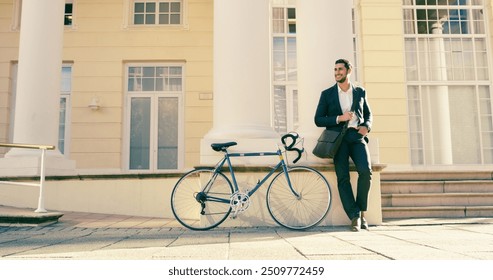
pixel 197 208
pixel 302 211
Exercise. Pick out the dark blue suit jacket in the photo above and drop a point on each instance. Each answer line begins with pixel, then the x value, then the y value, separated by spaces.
pixel 329 108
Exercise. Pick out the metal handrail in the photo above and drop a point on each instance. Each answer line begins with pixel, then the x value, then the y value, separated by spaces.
pixel 43 148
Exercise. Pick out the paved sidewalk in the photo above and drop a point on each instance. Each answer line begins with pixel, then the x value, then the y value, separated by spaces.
pixel 85 236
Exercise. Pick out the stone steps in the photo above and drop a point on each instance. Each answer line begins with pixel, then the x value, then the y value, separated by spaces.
pixel 436 194
pixel 437 199
pixel 434 175
pixel 437 212
pixel 410 187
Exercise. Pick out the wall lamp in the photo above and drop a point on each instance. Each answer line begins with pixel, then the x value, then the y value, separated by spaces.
pixel 94 104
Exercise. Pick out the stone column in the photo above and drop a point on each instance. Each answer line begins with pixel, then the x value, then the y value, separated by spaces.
pixel 323 35
pixel 242 81
pixel 439 115
pixel 37 103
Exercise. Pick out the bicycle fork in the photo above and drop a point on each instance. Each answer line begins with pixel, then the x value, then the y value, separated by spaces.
pixel 288 180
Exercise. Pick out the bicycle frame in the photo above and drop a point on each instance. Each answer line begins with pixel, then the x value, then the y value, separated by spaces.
pixel 298 199
pixel 227 159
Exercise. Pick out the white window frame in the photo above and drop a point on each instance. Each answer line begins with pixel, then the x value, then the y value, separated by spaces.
pixel 129 16
pixel 16 18
pixel 419 153
pixel 290 85
pixel 73 14
pixel 154 107
pixel 357 75
pixel 67 95
pixel 13 92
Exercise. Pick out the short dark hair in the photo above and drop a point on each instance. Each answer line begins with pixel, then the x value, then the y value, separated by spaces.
pixel 346 63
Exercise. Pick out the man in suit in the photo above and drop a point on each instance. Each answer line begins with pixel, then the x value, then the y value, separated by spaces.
pixel 341 103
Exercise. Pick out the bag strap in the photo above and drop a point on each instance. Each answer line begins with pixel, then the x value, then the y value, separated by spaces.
pixel 345 127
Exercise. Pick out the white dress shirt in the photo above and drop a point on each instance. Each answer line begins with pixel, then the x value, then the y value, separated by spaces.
pixel 346 102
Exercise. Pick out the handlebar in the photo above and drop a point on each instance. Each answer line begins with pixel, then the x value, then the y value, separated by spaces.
pixel 294 136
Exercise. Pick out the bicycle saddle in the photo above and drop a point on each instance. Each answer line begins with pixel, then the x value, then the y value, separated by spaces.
pixel 222 146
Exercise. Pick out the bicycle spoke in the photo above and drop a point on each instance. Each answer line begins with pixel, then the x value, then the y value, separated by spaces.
pixel 302 212
pixel 197 209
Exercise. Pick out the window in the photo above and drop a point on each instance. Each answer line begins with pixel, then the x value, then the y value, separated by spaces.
pixel 355 72
pixel 68 16
pixel 64 128
pixel 16 18
pixel 447 72
pixel 453 16
pixel 157 12
pixel 154 109
pixel 284 68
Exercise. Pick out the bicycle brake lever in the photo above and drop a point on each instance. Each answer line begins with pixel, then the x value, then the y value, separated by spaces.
pixel 300 152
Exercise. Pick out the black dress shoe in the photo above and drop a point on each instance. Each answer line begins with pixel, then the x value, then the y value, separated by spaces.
pixel 364 223
pixel 355 224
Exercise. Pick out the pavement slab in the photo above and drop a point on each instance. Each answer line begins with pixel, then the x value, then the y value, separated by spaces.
pixel 94 236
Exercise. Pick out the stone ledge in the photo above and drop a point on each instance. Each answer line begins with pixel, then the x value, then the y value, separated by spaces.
pixel 94 177
pixel 10 215
pixel 377 167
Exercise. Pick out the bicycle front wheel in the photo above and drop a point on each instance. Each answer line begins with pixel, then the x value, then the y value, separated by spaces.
pixel 201 199
pixel 302 205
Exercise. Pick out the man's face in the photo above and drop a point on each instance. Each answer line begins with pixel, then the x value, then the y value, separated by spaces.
pixel 341 74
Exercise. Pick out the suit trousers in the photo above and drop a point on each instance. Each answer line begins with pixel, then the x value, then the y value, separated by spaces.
pixel 355 147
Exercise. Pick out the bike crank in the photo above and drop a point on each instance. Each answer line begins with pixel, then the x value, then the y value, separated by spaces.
pixel 239 203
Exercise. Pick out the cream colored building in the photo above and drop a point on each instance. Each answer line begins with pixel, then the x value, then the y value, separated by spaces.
pixel 147 85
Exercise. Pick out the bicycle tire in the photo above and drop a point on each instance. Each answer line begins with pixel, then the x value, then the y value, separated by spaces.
pixel 187 208
pixel 306 211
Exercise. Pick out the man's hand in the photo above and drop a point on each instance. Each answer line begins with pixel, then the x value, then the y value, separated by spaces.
pixel 363 130
pixel 346 116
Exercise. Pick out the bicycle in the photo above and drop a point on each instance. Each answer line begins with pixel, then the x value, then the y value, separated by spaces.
pixel 297 198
